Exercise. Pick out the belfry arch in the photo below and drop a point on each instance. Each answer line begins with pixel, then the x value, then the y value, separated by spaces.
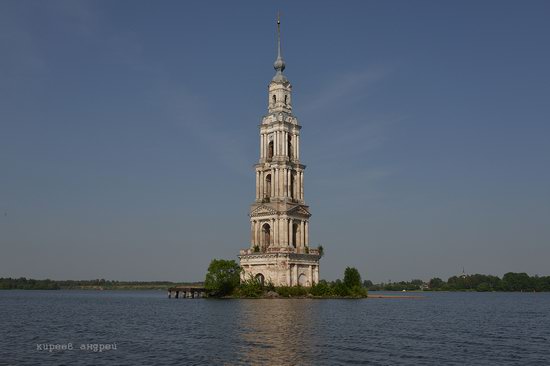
pixel 289 147
pixel 266 235
pixel 295 234
pixel 270 150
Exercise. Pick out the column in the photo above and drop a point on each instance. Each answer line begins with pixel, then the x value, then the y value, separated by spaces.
pixel 295 185
pixel 286 143
pixel 284 226
pixel 302 237
pixel 283 143
pixel 257 185
pixel 306 233
pixel 281 228
pixel 276 182
pixel 295 146
pixel 311 280
pixel 258 233
pixel 316 274
pixel 261 145
pixel 272 193
pixel 271 233
pixel 298 185
pixel 289 231
pixel 252 233
pixel 283 170
pixel 279 145
pixel 260 236
pixel 302 185
pixel 261 185
pixel 275 231
pixel 298 147
pixel 282 183
pixel 275 144
pixel 295 279
pixel 289 277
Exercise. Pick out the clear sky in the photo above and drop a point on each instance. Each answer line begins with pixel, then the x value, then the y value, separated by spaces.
pixel 128 131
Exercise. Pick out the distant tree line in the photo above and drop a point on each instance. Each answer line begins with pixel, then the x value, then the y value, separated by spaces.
pixel 27 284
pixel 97 284
pixel 511 281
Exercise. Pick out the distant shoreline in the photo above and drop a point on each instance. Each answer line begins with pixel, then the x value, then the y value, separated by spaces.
pixel 511 282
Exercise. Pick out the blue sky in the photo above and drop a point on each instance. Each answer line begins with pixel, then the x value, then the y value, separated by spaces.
pixel 128 131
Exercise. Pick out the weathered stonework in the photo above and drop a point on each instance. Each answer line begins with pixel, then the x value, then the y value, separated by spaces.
pixel 279 218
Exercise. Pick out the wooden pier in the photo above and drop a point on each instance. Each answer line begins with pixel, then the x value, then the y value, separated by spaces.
pixel 187 292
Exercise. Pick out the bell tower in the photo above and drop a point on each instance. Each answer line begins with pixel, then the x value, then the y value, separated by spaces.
pixel 279 218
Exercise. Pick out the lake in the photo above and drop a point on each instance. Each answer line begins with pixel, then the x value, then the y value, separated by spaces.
pixel 147 328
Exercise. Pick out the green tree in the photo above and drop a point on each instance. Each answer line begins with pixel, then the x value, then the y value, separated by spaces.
pixel 352 278
pixel 517 282
pixel 436 283
pixel 352 282
pixel 223 277
pixel 368 284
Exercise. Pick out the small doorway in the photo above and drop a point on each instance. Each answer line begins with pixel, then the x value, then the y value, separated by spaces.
pixel 260 278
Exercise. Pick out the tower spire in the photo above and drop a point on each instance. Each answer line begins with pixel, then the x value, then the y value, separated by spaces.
pixel 278 34
pixel 279 63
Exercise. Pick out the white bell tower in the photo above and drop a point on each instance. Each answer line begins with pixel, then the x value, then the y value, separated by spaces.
pixel 279 218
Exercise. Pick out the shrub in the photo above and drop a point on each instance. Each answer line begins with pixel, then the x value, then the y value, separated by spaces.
pixel 250 287
pixel 292 291
pixel 321 251
pixel 322 288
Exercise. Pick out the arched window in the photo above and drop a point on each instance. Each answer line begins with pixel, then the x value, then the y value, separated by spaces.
pixel 274 99
pixel 267 192
pixel 295 233
pixel 290 154
pixel 286 99
pixel 270 150
pixel 266 231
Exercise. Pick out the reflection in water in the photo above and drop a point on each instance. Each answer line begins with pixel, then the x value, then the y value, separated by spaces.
pixel 276 332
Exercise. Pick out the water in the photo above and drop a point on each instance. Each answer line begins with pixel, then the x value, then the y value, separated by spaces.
pixel 150 329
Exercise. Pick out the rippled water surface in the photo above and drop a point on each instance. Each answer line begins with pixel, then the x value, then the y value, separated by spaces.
pixel 150 329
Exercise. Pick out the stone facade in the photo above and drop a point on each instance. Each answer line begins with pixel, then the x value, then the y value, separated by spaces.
pixel 279 218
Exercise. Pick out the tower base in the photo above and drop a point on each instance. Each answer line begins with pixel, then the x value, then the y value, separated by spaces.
pixel 281 266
